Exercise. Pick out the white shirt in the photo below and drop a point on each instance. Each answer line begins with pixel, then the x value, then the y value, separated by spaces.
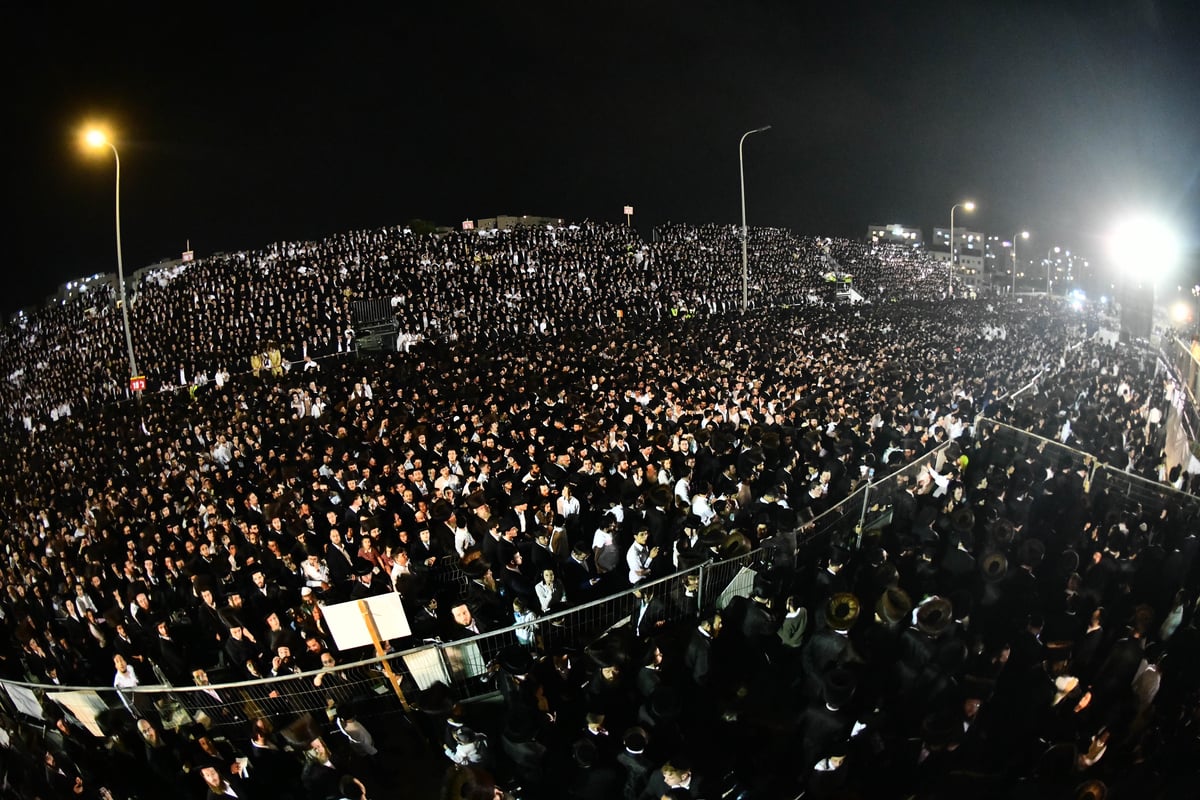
pixel 608 556
pixel 127 679
pixel 638 559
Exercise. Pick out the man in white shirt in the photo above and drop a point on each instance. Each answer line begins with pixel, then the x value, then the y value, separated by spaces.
pixel 125 677
pixel 640 556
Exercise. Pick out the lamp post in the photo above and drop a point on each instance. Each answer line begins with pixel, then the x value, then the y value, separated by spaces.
pixel 1048 252
pixel 967 206
pixel 745 231
pixel 1021 235
pixel 97 140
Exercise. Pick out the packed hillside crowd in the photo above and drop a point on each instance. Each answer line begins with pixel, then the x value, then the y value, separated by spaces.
pixel 195 536
pixel 291 301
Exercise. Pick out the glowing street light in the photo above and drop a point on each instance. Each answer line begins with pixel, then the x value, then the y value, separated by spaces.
pixel 967 206
pixel 1048 251
pixel 1021 235
pixel 745 231
pixel 96 139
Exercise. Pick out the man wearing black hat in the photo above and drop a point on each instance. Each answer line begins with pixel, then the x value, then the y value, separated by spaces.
pixel 365 583
pixel 827 721
pixel 698 658
pixel 635 763
pixel 172 656
pixel 240 646
pixel 830 647
pixel 929 653
pixel 519 741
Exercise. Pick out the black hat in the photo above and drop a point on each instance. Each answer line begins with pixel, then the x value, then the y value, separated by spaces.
pixel 994 567
pixel 665 703
pixel 838 687
pixel 1003 531
pixel 962 520
pixel 841 612
pixel 659 495
pixel 475 568
pixel 734 545
pixel 436 699
pixel 1031 552
pixel 521 724
pixel 712 534
pixel 515 660
pixel 1091 790
pixel 894 605
pixel 230 619
pixel 440 511
pixel 609 650
pixel 635 740
pixel 934 616
pixel 362 567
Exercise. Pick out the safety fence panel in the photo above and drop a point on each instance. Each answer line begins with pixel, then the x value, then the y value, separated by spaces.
pixel 721 580
pixel 467 665
pixel 880 496
pixel 1187 368
pixel 1138 495
pixel 837 526
pixel 1046 453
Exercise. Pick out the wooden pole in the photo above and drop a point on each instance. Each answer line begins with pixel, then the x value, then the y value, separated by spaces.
pixel 387 666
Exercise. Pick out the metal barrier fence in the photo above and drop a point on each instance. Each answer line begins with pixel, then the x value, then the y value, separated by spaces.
pixel 880 496
pixel 466 665
pixel 1186 367
pixel 1134 493
pixel 1045 452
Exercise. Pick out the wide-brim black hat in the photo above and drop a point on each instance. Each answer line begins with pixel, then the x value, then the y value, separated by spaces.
pixel 994 567
pixel 838 687
pixel 734 545
pixel 934 616
pixel 515 660
pixel 841 612
pixel 894 605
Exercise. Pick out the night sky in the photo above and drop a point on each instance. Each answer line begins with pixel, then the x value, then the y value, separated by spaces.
pixel 237 130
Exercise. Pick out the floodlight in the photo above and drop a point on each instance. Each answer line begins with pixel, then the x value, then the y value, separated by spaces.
pixel 1144 245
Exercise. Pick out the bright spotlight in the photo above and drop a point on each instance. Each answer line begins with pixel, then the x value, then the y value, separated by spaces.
pixel 1145 246
pixel 1181 312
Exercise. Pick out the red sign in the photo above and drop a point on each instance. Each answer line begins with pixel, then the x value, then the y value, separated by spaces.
pixel 468 224
pixel 137 383
pixel 188 255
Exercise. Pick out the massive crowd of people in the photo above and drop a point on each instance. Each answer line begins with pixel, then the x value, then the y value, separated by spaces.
pixel 195 321
pixel 582 414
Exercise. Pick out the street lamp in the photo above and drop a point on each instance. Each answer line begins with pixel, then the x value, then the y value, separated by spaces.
pixel 1021 235
pixel 1048 251
pixel 96 139
pixel 967 206
pixel 745 231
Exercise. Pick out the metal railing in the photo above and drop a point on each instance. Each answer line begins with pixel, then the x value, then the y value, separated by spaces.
pixel 466 665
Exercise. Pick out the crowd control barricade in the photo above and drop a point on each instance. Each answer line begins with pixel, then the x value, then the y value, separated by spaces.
pixel 468 665
pixel 1046 453
pixel 880 497
pixel 1135 494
